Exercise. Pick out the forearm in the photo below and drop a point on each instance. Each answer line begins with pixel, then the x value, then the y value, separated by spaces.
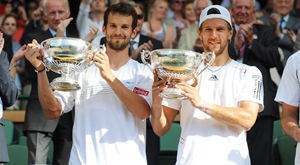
pixel 289 121
pixel 239 117
pixel 137 105
pixel 159 120
pixel 51 106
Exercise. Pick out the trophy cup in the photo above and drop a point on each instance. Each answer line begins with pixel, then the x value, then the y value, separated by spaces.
pixel 178 65
pixel 67 56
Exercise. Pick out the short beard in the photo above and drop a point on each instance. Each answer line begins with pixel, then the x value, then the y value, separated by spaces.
pixel 116 47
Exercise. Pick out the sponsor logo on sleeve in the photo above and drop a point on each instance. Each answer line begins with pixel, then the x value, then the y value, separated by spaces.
pixel 257 86
pixel 140 91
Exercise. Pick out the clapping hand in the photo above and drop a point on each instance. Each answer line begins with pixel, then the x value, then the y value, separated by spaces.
pixel 92 34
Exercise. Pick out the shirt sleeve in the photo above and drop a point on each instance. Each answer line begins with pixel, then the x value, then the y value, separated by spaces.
pixel 252 89
pixel 66 99
pixel 82 19
pixel 289 89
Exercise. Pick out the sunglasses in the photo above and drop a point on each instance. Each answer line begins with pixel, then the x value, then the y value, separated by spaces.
pixel 182 2
pixel 140 16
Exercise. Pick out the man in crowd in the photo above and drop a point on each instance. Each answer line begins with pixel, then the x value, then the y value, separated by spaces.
pixel 113 102
pixel 189 39
pixel 282 22
pixel 256 45
pixel 38 129
pixel 84 22
pixel 220 109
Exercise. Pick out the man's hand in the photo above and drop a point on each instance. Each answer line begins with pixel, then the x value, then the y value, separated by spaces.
pixel 239 40
pixel 247 31
pixel 92 34
pixel 18 55
pixel 145 46
pixel 34 55
pixel 101 60
pixel 62 27
pixel 275 18
pixel 198 46
pixel 291 35
pixel 157 87
pixel 190 91
pixel 37 14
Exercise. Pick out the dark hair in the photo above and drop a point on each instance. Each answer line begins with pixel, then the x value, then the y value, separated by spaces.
pixel 215 11
pixel 122 9
pixel 7 16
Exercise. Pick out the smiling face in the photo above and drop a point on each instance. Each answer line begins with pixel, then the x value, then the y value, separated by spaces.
pixel 283 7
pixel 56 11
pixel 9 26
pixel 118 31
pixel 215 35
pixel 243 11
pixel 159 11
pixel 189 12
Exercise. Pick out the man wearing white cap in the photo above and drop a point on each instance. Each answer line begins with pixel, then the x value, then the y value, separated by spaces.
pixel 220 109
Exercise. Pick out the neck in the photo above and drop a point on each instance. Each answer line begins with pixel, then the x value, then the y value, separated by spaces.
pixel 97 17
pixel 117 58
pixel 177 15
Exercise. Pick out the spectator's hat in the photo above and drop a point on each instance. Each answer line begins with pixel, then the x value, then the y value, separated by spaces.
pixel 215 11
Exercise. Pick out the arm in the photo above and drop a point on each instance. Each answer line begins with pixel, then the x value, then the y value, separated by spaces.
pixel 137 105
pixel 51 106
pixel 83 17
pixel 243 116
pixel 289 121
pixel 13 63
pixel 169 37
pixel 161 116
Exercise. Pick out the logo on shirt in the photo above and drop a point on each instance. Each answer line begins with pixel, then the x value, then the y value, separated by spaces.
pixel 140 91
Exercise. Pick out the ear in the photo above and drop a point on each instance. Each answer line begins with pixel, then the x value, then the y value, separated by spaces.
pixel 69 13
pixel 103 29
pixel 134 33
pixel 230 34
pixel 199 34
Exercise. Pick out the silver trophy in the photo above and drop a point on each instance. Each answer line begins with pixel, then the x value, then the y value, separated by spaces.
pixel 178 65
pixel 67 56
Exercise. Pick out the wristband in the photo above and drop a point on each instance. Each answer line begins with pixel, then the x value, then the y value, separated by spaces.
pixel 39 71
pixel 13 65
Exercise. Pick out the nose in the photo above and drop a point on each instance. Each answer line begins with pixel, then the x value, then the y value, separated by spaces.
pixel 213 33
pixel 57 16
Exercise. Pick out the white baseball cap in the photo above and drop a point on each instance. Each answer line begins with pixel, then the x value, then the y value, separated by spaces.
pixel 215 11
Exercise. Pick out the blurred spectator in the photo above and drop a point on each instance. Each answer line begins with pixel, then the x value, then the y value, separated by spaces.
pixel 37 23
pixel 83 22
pixel 9 27
pixel 296 8
pixel 177 20
pixel 155 27
pixel 189 17
pixel 39 130
pixel 282 21
pixel 189 37
pixel 256 45
pixel 30 7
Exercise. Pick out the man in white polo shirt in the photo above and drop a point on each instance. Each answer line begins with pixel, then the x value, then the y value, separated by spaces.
pixel 220 109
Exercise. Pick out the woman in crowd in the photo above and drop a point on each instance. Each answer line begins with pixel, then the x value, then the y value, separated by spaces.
pixel 155 27
pixel 9 27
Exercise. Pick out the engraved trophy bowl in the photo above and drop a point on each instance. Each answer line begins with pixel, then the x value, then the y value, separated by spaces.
pixel 67 56
pixel 178 65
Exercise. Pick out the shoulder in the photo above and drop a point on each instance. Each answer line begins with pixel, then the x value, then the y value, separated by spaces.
pixel 244 69
pixel 147 38
pixel 139 67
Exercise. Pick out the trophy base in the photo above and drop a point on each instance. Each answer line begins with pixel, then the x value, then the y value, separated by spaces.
pixel 68 85
pixel 172 93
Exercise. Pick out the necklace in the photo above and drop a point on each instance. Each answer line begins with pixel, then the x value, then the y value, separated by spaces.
pixel 214 76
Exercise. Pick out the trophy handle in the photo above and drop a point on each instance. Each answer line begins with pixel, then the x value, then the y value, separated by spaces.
pixel 210 58
pixel 145 55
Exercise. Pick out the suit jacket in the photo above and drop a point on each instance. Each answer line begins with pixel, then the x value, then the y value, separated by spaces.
pixel 143 39
pixel 264 55
pixel 8 89
pixel 35 120
pixel 285 44
pixel 188 38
